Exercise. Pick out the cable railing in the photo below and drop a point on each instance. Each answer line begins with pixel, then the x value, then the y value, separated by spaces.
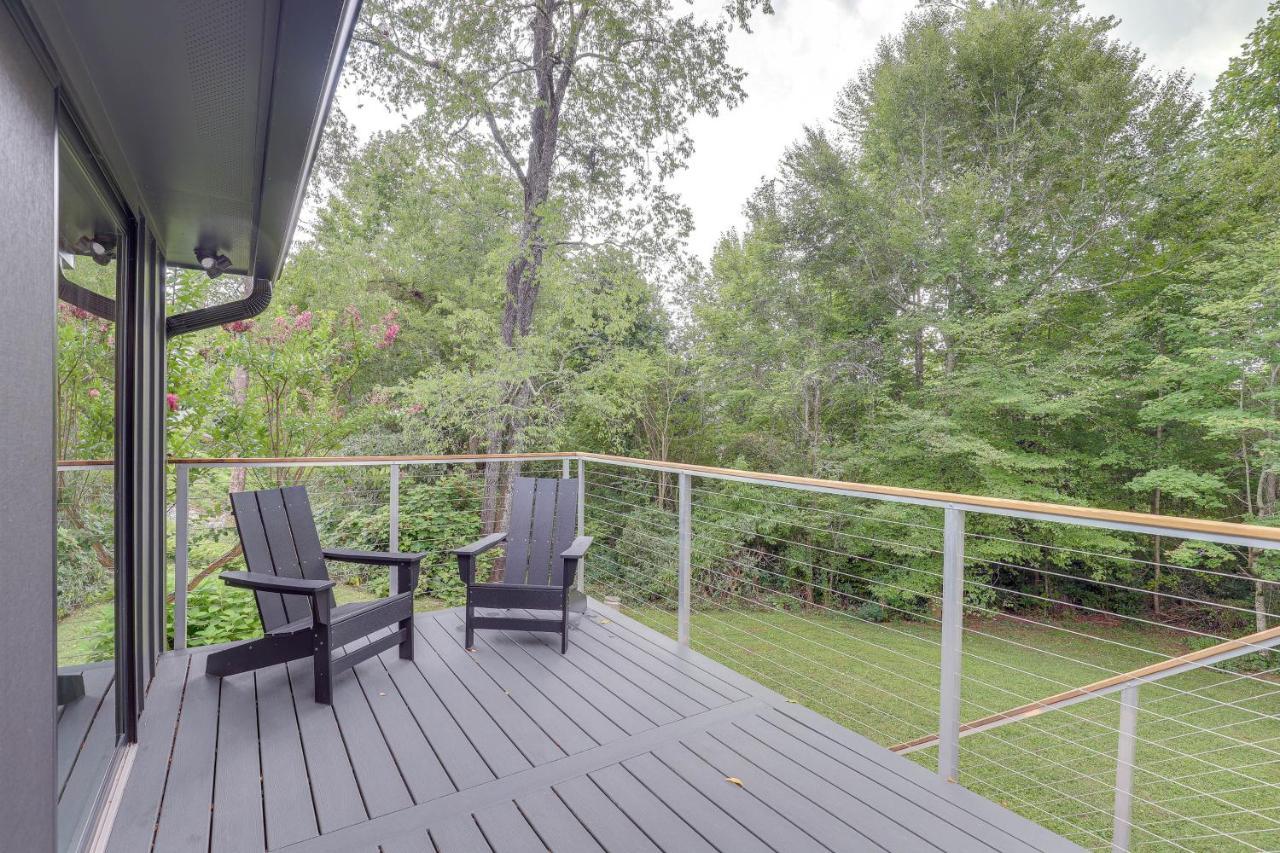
pixel 1117 688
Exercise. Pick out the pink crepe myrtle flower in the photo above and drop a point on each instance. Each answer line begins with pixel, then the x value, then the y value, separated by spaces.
pixel 389 336
pixel 239 327
pixel 416 409
pixel 171 400
pixel 94 393
pixel 302 321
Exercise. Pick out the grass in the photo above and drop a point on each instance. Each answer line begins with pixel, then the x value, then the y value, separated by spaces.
pixel 1207 776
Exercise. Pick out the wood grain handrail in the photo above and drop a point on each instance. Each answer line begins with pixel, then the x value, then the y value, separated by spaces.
pixel 1189 528
pixel 1147 673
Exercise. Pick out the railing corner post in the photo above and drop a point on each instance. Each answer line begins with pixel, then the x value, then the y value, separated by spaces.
pixel 582 517
pixel 1126 753
pixel 952 638
pixel 685 553
pixel 393 533
pixel 181 511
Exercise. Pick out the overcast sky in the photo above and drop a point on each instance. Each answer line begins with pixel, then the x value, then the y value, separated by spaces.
pixel 798 58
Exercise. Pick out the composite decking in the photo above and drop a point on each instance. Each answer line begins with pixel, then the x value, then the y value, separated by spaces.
pixel 86 742
pixel 627 743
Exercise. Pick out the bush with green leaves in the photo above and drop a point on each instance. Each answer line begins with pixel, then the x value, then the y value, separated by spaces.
pixel 436 514
pixel 82 579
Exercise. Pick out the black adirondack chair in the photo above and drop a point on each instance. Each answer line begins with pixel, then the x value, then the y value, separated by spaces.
pixel 290 579
pixel 541 566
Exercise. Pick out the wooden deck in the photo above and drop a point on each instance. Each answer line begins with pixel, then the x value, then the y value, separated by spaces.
pixel 86 744
pixel 626 743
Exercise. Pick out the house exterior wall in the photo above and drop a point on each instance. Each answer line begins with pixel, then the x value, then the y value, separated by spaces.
pixel 27 339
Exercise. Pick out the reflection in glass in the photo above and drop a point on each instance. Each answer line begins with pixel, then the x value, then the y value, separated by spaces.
pixel 88 269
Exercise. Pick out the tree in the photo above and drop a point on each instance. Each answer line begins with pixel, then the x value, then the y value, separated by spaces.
pixel 584 101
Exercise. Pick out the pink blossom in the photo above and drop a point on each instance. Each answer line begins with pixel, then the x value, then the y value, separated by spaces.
pixel 94 393
pixel 239 326
pixel 416 409
pixel 354 313
pixel 389 337
pixel 171 400
pixel 303 321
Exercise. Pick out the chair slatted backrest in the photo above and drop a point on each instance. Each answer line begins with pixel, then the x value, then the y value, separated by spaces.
pixel 278 536
pixel 543 522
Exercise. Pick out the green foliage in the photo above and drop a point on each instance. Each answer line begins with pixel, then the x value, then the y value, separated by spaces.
pixel 82 579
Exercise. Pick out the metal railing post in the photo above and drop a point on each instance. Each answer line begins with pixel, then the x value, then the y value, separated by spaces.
pixel 952 636
pixel 564 469
pixel 1126 752
pixel 393 534
pixel 582 519
pixel 180 555
pixel 685 569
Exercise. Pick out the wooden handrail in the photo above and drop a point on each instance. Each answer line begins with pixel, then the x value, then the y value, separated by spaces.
pixel 1151 672
pixel 1189 528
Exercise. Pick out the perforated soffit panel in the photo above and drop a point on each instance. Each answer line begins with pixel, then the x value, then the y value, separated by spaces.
pixel 205 112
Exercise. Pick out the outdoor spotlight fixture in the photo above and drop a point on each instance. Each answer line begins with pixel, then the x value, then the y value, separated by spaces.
pixel 100 247
pixel 214 264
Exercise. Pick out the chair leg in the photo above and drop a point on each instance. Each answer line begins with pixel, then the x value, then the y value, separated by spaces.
pixel 406 645
pixel 564 632
pixel 471 631
pixel 322 665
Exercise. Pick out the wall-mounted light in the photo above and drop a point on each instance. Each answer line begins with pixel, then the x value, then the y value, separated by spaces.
pixel 214 264
pixel 100 247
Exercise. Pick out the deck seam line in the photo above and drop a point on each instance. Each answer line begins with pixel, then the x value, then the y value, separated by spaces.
pixel 479 665
pixel 513 785
pixel 463 685
pixel 806 797
pixel 485 706
pixel 696 831
pixel 396 686
pixel 799 795
pixel 444 705
pixel 539 690
pixel 568 686
pixel 608 634
pixel 653 724
pixel 546 642
pixel 765 745
pixel 595 639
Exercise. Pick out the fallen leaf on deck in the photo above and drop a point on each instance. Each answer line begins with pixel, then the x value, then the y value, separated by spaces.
pixel 604 621
pixel 735 780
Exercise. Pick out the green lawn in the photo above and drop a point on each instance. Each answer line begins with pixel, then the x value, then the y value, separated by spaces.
pixel 1201 764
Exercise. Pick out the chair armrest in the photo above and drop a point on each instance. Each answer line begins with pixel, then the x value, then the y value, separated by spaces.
pixel 570 558
pixel 467 554
pixel 578 549
pixel 373 558
pixel 406 565
pixel 263 582
pixel 480 545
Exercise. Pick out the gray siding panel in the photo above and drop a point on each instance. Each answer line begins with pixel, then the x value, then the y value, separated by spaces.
pixel 27 287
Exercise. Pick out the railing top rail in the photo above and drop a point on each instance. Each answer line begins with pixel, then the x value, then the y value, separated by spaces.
pixel 1177 526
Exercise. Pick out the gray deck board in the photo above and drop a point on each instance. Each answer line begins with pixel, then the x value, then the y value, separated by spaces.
pixel 334 789
pixel 185 817
pixel 286 786
pixel 667 829
pixel 594 723
pixel 556 825
pixel 623 744
pixel 237 788
pixel 506 830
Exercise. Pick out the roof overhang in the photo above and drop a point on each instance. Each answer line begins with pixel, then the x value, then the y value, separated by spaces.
pixel 207 114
